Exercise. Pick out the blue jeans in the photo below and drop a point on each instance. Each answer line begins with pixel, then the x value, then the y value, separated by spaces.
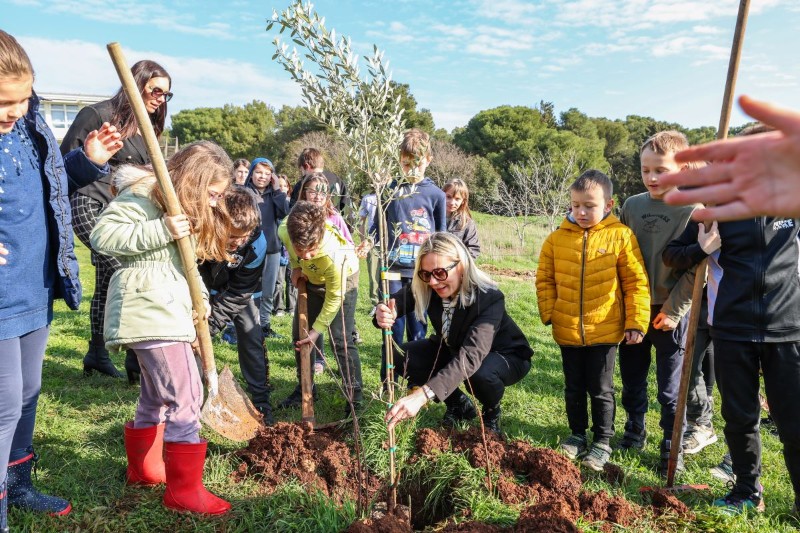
pixel 20 381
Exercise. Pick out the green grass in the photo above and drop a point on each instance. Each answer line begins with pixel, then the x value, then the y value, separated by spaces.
pixel 79 434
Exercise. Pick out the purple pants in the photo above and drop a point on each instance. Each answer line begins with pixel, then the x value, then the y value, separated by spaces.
pixel 171 391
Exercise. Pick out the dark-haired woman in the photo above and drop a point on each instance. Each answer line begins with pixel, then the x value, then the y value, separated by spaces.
pixel 87 203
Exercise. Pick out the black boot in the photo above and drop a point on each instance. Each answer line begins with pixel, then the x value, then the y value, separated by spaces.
pixel 491 419
pixel 132 367
pixel 22 493
pixel 97 359
pixel 266 411
pixel 459 408
pixel 3 509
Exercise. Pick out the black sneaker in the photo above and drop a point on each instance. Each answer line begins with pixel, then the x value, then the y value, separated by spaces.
pixel 741 499
pixel 459 408
pixel 295 399
pixel 491 419
pixel 270 333
pixel 597 457
pixel 634 438
pixel 266 411
pixel 663 464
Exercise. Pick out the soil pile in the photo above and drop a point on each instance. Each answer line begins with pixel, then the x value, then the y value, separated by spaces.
pixel 318 460
pixel 528 475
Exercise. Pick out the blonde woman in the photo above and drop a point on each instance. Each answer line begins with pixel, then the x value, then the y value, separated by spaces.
pixel 475 340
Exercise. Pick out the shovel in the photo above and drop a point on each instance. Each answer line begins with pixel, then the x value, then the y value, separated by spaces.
pixel 227 409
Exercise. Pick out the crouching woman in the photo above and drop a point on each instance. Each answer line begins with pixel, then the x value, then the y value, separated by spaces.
pixel 474 340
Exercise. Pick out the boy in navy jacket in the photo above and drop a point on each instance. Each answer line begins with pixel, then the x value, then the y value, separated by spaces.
pixel 234 287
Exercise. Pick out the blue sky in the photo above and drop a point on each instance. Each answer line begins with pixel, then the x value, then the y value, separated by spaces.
pixel 612 58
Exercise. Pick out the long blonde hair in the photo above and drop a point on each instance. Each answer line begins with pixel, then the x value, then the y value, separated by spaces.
pixel 459 188
pixel 193 169
pixel 473 279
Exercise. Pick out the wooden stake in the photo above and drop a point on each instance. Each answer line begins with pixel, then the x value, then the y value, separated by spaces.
pixel 700 274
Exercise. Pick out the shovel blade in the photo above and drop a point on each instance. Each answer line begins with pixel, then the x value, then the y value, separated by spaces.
pixel 230 412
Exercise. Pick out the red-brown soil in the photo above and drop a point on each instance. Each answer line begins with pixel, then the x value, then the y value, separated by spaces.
pixel 545 484
pixel 318 460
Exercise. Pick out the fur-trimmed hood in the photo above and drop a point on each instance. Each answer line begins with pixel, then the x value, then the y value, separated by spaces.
pixel 140 180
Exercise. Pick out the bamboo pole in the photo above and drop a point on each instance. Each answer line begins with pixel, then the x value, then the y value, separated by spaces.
pixel 700 274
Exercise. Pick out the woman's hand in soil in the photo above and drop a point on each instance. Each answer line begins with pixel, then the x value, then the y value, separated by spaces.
pixel 3 251
pixel 385 315
pixel 406 407
pixel 311 340
pixel 633 336
pixel 178 226
pixel 101 145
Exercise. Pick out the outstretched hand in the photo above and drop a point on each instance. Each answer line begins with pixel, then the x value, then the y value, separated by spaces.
pixel 101 145
pixel 748 176
pixel 406 407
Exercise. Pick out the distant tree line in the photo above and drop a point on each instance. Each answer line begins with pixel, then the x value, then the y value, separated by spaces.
pixel 487 153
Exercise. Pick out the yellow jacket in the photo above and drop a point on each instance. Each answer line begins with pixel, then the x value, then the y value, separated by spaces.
pixel 591 283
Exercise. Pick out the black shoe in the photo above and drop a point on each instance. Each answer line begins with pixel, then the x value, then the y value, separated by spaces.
pixel 295 399
pixel 22 494
pixel 269 333
pixel 491 419
pixel 634 438
pixel 459 408
pixel 132 367
pixel 266 412
pixel 97 359
pixel 663 464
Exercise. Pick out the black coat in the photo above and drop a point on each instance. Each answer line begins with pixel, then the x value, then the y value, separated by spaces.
pixel 483 327
pixel 133 151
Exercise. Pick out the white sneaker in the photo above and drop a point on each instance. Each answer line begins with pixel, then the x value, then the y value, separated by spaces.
pixel 697 438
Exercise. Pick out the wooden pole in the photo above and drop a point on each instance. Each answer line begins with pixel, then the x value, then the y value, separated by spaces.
pixel 700 273
pixel 306 381
pixel 173 207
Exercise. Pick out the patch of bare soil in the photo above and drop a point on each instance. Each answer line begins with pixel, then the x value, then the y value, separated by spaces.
pixel 529 275
pixel 317 459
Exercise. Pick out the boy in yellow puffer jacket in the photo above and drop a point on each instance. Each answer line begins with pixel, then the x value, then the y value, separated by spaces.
pixel 592 287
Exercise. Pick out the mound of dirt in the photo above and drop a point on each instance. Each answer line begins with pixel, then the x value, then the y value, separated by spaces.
pixel 666 502
pixel 540 476
pixel 318 460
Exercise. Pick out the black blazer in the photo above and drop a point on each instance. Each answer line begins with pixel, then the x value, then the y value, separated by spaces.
pixel 133 151
pixel 483 327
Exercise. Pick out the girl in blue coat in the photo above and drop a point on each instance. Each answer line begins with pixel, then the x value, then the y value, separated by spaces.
pixel 37 262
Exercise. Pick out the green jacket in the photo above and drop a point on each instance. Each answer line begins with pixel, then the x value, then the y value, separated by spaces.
pixel 148 298
pixel 333 265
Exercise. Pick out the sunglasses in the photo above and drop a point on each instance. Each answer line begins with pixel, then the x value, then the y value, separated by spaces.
pixel 439 274
pixel 157 93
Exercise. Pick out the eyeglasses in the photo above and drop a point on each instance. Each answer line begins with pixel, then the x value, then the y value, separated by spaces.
pixel 157 93
pixel 440 274
pixel 316 194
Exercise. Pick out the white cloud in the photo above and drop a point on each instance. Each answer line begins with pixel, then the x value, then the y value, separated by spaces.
pixel 707 30
pixel 517 12
pixel 196 82
pixel 397 32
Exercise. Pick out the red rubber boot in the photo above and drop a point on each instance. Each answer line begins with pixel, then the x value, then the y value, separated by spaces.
pixel 145 450
pixel 185 491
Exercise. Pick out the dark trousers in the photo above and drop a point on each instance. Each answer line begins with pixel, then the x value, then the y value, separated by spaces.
pixel 590 370
pixel 414 329
pixel 253 357
pixel 20 382
pixel 340 333
pixel 698 404
pixel 424 358
pixel 737 369
pixel 85 212
pixel 634 366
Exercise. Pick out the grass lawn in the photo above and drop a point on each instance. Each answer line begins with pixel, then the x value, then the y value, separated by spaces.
pixel 80 420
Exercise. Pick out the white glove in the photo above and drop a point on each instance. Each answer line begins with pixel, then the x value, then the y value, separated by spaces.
pixel 212 383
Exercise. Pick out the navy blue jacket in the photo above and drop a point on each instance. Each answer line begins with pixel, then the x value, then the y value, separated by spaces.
pixel 753 282
pixel 233 284
pixel 62 176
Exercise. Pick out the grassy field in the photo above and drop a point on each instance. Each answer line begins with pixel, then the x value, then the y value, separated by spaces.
pixel 79 432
